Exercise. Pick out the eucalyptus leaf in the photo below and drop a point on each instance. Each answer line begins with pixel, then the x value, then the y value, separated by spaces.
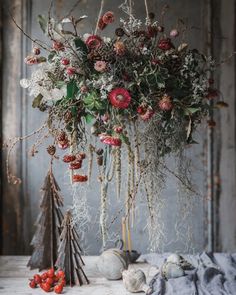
pixel 37 101
pixel 190 111
pixel 42 22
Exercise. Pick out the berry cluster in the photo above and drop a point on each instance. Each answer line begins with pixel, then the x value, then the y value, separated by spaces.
pixel 49 281
pixel 75 162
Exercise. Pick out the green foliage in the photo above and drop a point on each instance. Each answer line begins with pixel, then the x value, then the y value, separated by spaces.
pixel 72 89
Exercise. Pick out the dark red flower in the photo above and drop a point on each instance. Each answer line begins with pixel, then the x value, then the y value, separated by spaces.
pixel 69 158
pixel 120 98
pixel 80 178
pixel 93 42
pixel 212 93
pixel 101 24
pixel 110 140
pixel 108 17
pixel 165 44
pixel 58 46
pixel 75 165
pixel 147 115
pixel 165 104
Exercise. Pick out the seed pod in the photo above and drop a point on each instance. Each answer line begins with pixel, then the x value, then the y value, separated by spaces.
pixel 51 149
pixel 99 152
pixel 100 160
pixel 119 32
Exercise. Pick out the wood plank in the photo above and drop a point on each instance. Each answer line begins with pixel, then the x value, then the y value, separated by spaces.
pixel 14 278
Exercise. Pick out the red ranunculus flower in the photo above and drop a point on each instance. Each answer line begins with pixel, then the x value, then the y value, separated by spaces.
pixel 93 42
pixel 108 17
pixel 120 98
pixel 165 44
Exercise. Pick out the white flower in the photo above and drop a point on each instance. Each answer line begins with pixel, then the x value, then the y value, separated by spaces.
pixel 58 94
pixel 25 83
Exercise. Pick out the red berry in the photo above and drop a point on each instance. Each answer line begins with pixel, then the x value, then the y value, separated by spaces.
pixel 32 284
pixel 60 274
pixel 49 281
pixel 56 279
pixel 70 71
pixel 44 276
pixel 46 287
pixel 58 46
pixel 58 289
pixel 51 273
pixel 37 279
pixel 63 282
pixel 65 61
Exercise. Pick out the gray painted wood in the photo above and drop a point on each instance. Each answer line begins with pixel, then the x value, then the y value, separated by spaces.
pixel 20 204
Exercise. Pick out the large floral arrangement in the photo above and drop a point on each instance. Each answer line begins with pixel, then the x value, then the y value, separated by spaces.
pixel 142 82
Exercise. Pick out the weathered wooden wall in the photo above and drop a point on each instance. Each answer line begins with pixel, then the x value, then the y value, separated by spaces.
pixel 20 203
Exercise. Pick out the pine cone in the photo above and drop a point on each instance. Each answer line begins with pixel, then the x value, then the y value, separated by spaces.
pixel 51 149
pixel 61 136
pixel 100 160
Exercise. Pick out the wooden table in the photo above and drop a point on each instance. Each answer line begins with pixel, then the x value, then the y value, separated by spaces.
pixel 14 277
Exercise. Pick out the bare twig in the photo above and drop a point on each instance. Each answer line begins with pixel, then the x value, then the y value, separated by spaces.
pixel 27 35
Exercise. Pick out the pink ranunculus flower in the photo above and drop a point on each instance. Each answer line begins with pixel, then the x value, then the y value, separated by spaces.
pixel 100 66
pixel 93 42
pixel 120 98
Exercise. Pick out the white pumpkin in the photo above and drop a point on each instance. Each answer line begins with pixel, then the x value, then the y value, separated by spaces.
pixel 111 263
pixel 135 281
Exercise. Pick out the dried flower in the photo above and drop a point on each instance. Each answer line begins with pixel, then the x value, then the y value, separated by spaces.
pixel 58 46
pixel 65 61
pixel 211 123
pixel 79 178
pixel 221 104
pixel 51 149
pixel 119 32
pixel 110 140
pixel 160 29
pixel 108 17
pixel 83 89
pixel 69 158
pixel 119 48
pixel 70 71
pixel 31 60
pixel 93 42
pixel 36 51
pixel 101 24
pixel 174 33
pixel 75 165
pixel 147 114
pixel 151 15
pixel 120 98
pixel 212 93
pixel 100 66
pixel 118 129
pixel 165 44
pixel 165 104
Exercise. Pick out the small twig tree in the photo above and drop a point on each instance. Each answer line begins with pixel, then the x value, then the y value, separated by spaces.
pixel 69 254
pixel 46 238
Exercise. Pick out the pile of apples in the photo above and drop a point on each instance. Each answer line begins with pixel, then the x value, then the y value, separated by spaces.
pixel 49 281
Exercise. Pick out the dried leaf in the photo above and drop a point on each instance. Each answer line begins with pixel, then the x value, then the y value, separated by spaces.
pixel 189 129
